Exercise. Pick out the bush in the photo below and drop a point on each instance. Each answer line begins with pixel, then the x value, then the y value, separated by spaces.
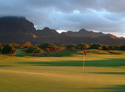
pixel 117 47
pixel 1 45
pixel 37 50
pixel 71 47
pixel 96 46
pixel 105 47
pixel 60 49
pixel 111 47
pixel 8 49
pixel 122 48
pixel 34 50
pixel 27 44
pixel 0 50
pixel 83 46
pixel 29 49
pixel 48 48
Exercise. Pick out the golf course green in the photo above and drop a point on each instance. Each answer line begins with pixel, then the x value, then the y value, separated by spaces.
pixel 103 72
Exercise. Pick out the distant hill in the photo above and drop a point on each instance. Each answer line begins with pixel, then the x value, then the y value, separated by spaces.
pixel 46 32
pixel 19 30
pixel 84 33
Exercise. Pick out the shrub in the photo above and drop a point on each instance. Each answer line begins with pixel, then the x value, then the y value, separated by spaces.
pixel 105 47
pixel 48 48
pixel 8 49
pixel 0 50
pixel 111 47
pixel 27 44
pixel 37 50
pixel 96 46
pixel 60 49
pixel 83 46
pixel 122 48
pixel 71 47
pixel 34 50
pixel 29 49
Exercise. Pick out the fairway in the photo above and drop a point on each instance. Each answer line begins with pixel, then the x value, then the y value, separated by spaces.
pixel 103 72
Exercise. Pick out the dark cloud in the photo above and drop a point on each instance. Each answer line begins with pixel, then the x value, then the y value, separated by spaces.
pixel 100 15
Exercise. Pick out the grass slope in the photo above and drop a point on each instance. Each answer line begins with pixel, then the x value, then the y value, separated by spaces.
pixel 103 72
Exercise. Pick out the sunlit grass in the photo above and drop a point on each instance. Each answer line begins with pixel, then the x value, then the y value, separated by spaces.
pixel 103 72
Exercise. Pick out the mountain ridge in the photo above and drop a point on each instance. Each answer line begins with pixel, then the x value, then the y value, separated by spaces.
pixel 19 30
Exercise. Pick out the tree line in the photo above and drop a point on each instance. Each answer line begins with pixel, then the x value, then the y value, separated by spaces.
pixel 48 48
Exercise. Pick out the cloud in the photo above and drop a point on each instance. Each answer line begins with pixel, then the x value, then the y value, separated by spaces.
pixel 101 15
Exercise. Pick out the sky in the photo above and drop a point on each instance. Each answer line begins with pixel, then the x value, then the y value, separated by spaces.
pixel 106 16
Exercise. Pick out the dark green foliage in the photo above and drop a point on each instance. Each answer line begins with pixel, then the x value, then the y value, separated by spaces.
pixel 8 49
pixel 60 49
pixel 71 47
pixel 47 45
pixel 25 47
pixel 0 50
pixel 96 46
pixel 30 49
pixel 105 47
pixel 122 48
pixel 34 50
pixel 37 50
pixel 111 47
pixel 117 47
pixel 83 46
pixel 48 48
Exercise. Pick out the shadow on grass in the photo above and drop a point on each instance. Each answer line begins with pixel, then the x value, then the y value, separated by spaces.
pixel 97 63
pixel 109 73
pixel 4 65
pixel 66 52
pixel 117 88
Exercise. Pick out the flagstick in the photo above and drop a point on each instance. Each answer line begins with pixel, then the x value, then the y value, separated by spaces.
pixel 83 62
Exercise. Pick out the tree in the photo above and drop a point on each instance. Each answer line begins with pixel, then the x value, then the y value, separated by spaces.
pixel 37 50
pixel 27 44
pixel 83 46
pixel 1 45
pixel 29 49
pixel 71 47
pixel 0 50
pixel 8 49
pixel 105 47
pixel 96 46
pixel 34 50
pixel 122 48
pixel 48 48
pixel 60 49
pixel 16 45
pixel 117 47
pixel 111 47
pixel 63 44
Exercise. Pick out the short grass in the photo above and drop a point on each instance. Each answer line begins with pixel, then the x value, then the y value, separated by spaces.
pixel 104 71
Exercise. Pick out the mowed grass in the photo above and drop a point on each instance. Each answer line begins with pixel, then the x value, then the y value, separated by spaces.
pixel 104 71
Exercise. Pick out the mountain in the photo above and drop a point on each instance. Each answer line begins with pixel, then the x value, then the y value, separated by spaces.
pixel 46 32
pixel 84 33
pixel 19 30
pixel 15 24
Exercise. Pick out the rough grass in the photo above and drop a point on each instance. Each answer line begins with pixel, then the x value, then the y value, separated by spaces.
pixel 102 72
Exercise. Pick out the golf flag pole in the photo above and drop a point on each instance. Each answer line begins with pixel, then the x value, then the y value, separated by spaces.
pixel 84 59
